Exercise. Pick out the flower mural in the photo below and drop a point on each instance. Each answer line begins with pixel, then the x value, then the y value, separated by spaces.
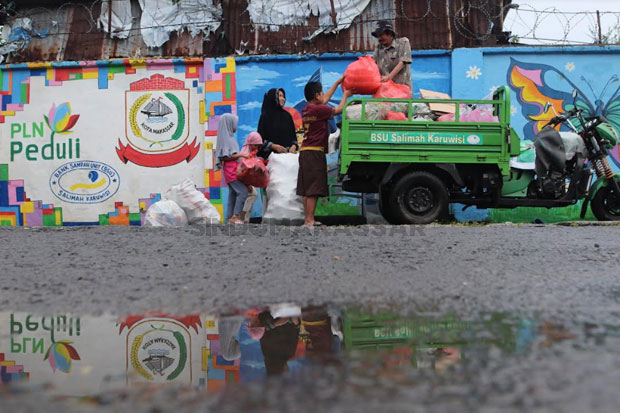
pixel 60 355
pixel 60 120
pixel 474 72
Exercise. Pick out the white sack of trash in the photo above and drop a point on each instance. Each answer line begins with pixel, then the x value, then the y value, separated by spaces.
pixel 165 213
pixel 197 207
pixel 283 203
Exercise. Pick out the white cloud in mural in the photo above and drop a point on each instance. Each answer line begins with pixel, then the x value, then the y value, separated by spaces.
pixel 301 80
pixel 428 75
pixel 513 109
pixel 327 79
pixel 570 66
pixel 250 105
pixel 474 72
pixel 253 77
pixel 245 128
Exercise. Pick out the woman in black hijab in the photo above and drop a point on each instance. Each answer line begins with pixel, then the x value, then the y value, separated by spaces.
pixel 276 125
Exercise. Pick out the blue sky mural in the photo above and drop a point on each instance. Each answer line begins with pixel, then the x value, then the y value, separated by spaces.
pixel 256 76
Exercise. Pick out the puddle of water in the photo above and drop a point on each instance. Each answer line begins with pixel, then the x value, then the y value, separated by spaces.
pixel 96 359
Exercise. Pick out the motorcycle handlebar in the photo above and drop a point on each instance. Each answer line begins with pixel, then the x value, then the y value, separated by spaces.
pixel 564 118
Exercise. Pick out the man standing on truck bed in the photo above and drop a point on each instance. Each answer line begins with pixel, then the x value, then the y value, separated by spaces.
pixel 393 55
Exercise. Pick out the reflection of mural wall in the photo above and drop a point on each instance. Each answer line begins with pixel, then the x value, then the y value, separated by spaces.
pixel 220 371
pixel 10 372
pixel 84 355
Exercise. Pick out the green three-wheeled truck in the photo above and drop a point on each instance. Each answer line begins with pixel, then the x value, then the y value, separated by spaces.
pixel 419 166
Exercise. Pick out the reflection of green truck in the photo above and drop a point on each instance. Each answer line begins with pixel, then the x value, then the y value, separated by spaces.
pixel 418 167
pixel 422 333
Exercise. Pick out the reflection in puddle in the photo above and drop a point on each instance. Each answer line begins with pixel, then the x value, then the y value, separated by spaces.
pixel 73 356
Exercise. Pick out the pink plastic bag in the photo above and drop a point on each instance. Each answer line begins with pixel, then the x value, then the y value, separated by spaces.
pixel 479 115
pixel 362 76
pixel 391 115
pixel 391 90
pixel 470 115
pixel 448 117
pixel 252 171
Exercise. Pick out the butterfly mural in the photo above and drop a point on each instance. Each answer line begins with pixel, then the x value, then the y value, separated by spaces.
pixel 541 89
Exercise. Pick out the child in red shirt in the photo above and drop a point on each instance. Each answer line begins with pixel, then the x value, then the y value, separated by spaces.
pixel 312 176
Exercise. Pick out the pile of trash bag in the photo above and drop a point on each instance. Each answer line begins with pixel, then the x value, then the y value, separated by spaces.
pixel 470 114
pixel 182 204
pixel 380 111
pixel 196 206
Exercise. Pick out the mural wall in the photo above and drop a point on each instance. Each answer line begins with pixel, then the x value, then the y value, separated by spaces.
pixel 537 75
pixel 430 70
pixel 98 142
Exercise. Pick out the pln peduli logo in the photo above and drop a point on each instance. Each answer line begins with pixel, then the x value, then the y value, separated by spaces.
pixel 31 142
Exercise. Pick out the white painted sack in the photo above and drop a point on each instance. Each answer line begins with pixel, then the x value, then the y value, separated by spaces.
pixel 165 213
pixel 198 209
pixel 282 200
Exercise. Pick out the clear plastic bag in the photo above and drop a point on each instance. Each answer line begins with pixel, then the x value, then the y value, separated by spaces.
pixel 194 203
pixel 374 111
pixel 165 213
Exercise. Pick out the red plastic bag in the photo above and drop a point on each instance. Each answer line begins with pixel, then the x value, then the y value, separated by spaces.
pixel 391 90
pixel 252 171
pixel 391 115
pixel 362 76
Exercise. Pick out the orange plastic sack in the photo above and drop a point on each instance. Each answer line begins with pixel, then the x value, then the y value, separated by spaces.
pixel 252 171
pixel 396 116
pixel 391 90
pixel 362 76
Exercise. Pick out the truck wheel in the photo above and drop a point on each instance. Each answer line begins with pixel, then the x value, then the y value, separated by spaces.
pixel 385 208
pixel 606 205
pixel 419 198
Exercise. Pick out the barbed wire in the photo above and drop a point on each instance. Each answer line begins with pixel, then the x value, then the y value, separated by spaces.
pixel 475 21
pixel 531 23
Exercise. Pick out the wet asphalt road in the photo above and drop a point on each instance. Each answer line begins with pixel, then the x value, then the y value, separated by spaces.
pixel 558 271
pixel 565 275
